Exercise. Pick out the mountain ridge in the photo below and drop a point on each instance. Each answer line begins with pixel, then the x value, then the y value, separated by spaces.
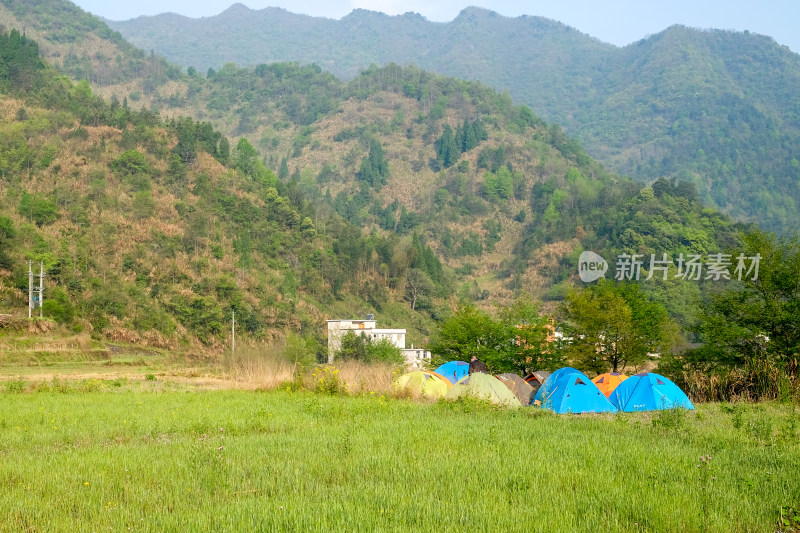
pixel 683 103
pixel 400 192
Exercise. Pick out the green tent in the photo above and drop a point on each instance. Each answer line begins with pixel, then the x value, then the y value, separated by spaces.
pixel 485 387
pixel 423 384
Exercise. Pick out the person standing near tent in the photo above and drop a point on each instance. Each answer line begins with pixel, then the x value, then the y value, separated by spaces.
pixel 476 365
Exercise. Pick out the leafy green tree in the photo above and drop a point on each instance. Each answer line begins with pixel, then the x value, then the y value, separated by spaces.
pixel 756 319
pixel 15 154
pixel 535 347
pixel 143 205
pixel 199 314
pixel 353 346
pixel 58 307
pixel 362 348
pixel 384 351
pixel 612 326
pixel 301 352
pixel 245 157
pixel 499 185
pixel 224 150
pixel 307 228
pixel 418 288
pixel 7 233
pixel 38 208
pixel 186 148
pixel 471 331
pixel 20 65
pixel 283 172
pixel 130 163
pixel 176 172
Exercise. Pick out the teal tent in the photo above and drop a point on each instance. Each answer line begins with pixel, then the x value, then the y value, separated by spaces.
pixel 573 392
pixel 648 392
pixel 453 370
pixel 550 381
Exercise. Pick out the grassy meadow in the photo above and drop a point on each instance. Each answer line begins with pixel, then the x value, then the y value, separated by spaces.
pixel 156 455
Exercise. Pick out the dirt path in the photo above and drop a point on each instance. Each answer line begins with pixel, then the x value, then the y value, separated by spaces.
pixel 195 381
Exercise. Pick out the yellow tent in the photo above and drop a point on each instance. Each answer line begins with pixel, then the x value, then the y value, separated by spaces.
pixel 423 383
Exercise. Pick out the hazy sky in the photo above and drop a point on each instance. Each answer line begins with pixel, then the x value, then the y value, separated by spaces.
pixel 615 21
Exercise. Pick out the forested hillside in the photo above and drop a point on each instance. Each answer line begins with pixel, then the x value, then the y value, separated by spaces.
pixel 395 192
pixel 84 47
pixel 719 109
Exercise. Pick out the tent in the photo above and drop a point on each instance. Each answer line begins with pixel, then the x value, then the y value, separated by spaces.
pixel 453 370
pixel 538 376
pixel 485 387
pixel 551 379
pixel 444 379
pixel 573 392
pixel 608 382
pixel 424 384
pixel 649 392
pixel 521 389
pixel 535 379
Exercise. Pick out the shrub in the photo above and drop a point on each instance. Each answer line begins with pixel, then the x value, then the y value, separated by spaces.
pixel 361 348
pixel 38 209
pixel 16 386
pixel 327 381
pixel 129 163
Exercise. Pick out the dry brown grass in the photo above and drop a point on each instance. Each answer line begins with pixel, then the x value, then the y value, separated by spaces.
pixel 257 365
pixel 755 381
pixel 260 365
pixel 362 378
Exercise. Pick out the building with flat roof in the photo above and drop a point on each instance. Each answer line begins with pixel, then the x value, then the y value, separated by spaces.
pixel 415 357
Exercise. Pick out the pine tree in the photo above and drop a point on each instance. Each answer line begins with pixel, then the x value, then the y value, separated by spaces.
pixel 459 137
pixel 283 172
pixel 447 152
pixel 374 168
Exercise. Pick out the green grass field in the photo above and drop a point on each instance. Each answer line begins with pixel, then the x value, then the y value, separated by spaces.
pixel 157 456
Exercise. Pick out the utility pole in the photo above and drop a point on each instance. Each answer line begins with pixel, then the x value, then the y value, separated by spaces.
pixel 233 332
pixel 30 287
pixel 41 288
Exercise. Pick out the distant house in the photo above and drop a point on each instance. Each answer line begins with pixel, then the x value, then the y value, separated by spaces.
pixel 415 357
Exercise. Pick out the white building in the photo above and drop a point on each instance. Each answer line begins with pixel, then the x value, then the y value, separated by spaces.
pixel 416 357
pixel 337 328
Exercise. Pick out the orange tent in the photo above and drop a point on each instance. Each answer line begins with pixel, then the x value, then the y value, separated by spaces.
pixel 438 375
pixel 608 382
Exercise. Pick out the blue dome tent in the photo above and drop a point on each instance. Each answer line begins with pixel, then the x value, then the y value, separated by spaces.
pixel 573 392
pixel 453 370
pixel 551 379
pixel 648 392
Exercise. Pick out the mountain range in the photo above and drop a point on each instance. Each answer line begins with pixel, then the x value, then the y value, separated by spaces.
pixel 717 108
pixel 288 195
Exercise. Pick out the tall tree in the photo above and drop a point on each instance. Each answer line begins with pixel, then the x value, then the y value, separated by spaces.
pixel 469 332
pixel 447 151
pixel 374 167
pixel 612 326
pixel 418 287
pixel 511 342
pixel 757 317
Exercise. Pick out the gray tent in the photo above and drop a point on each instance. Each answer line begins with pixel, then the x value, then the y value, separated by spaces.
pixel 519 387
